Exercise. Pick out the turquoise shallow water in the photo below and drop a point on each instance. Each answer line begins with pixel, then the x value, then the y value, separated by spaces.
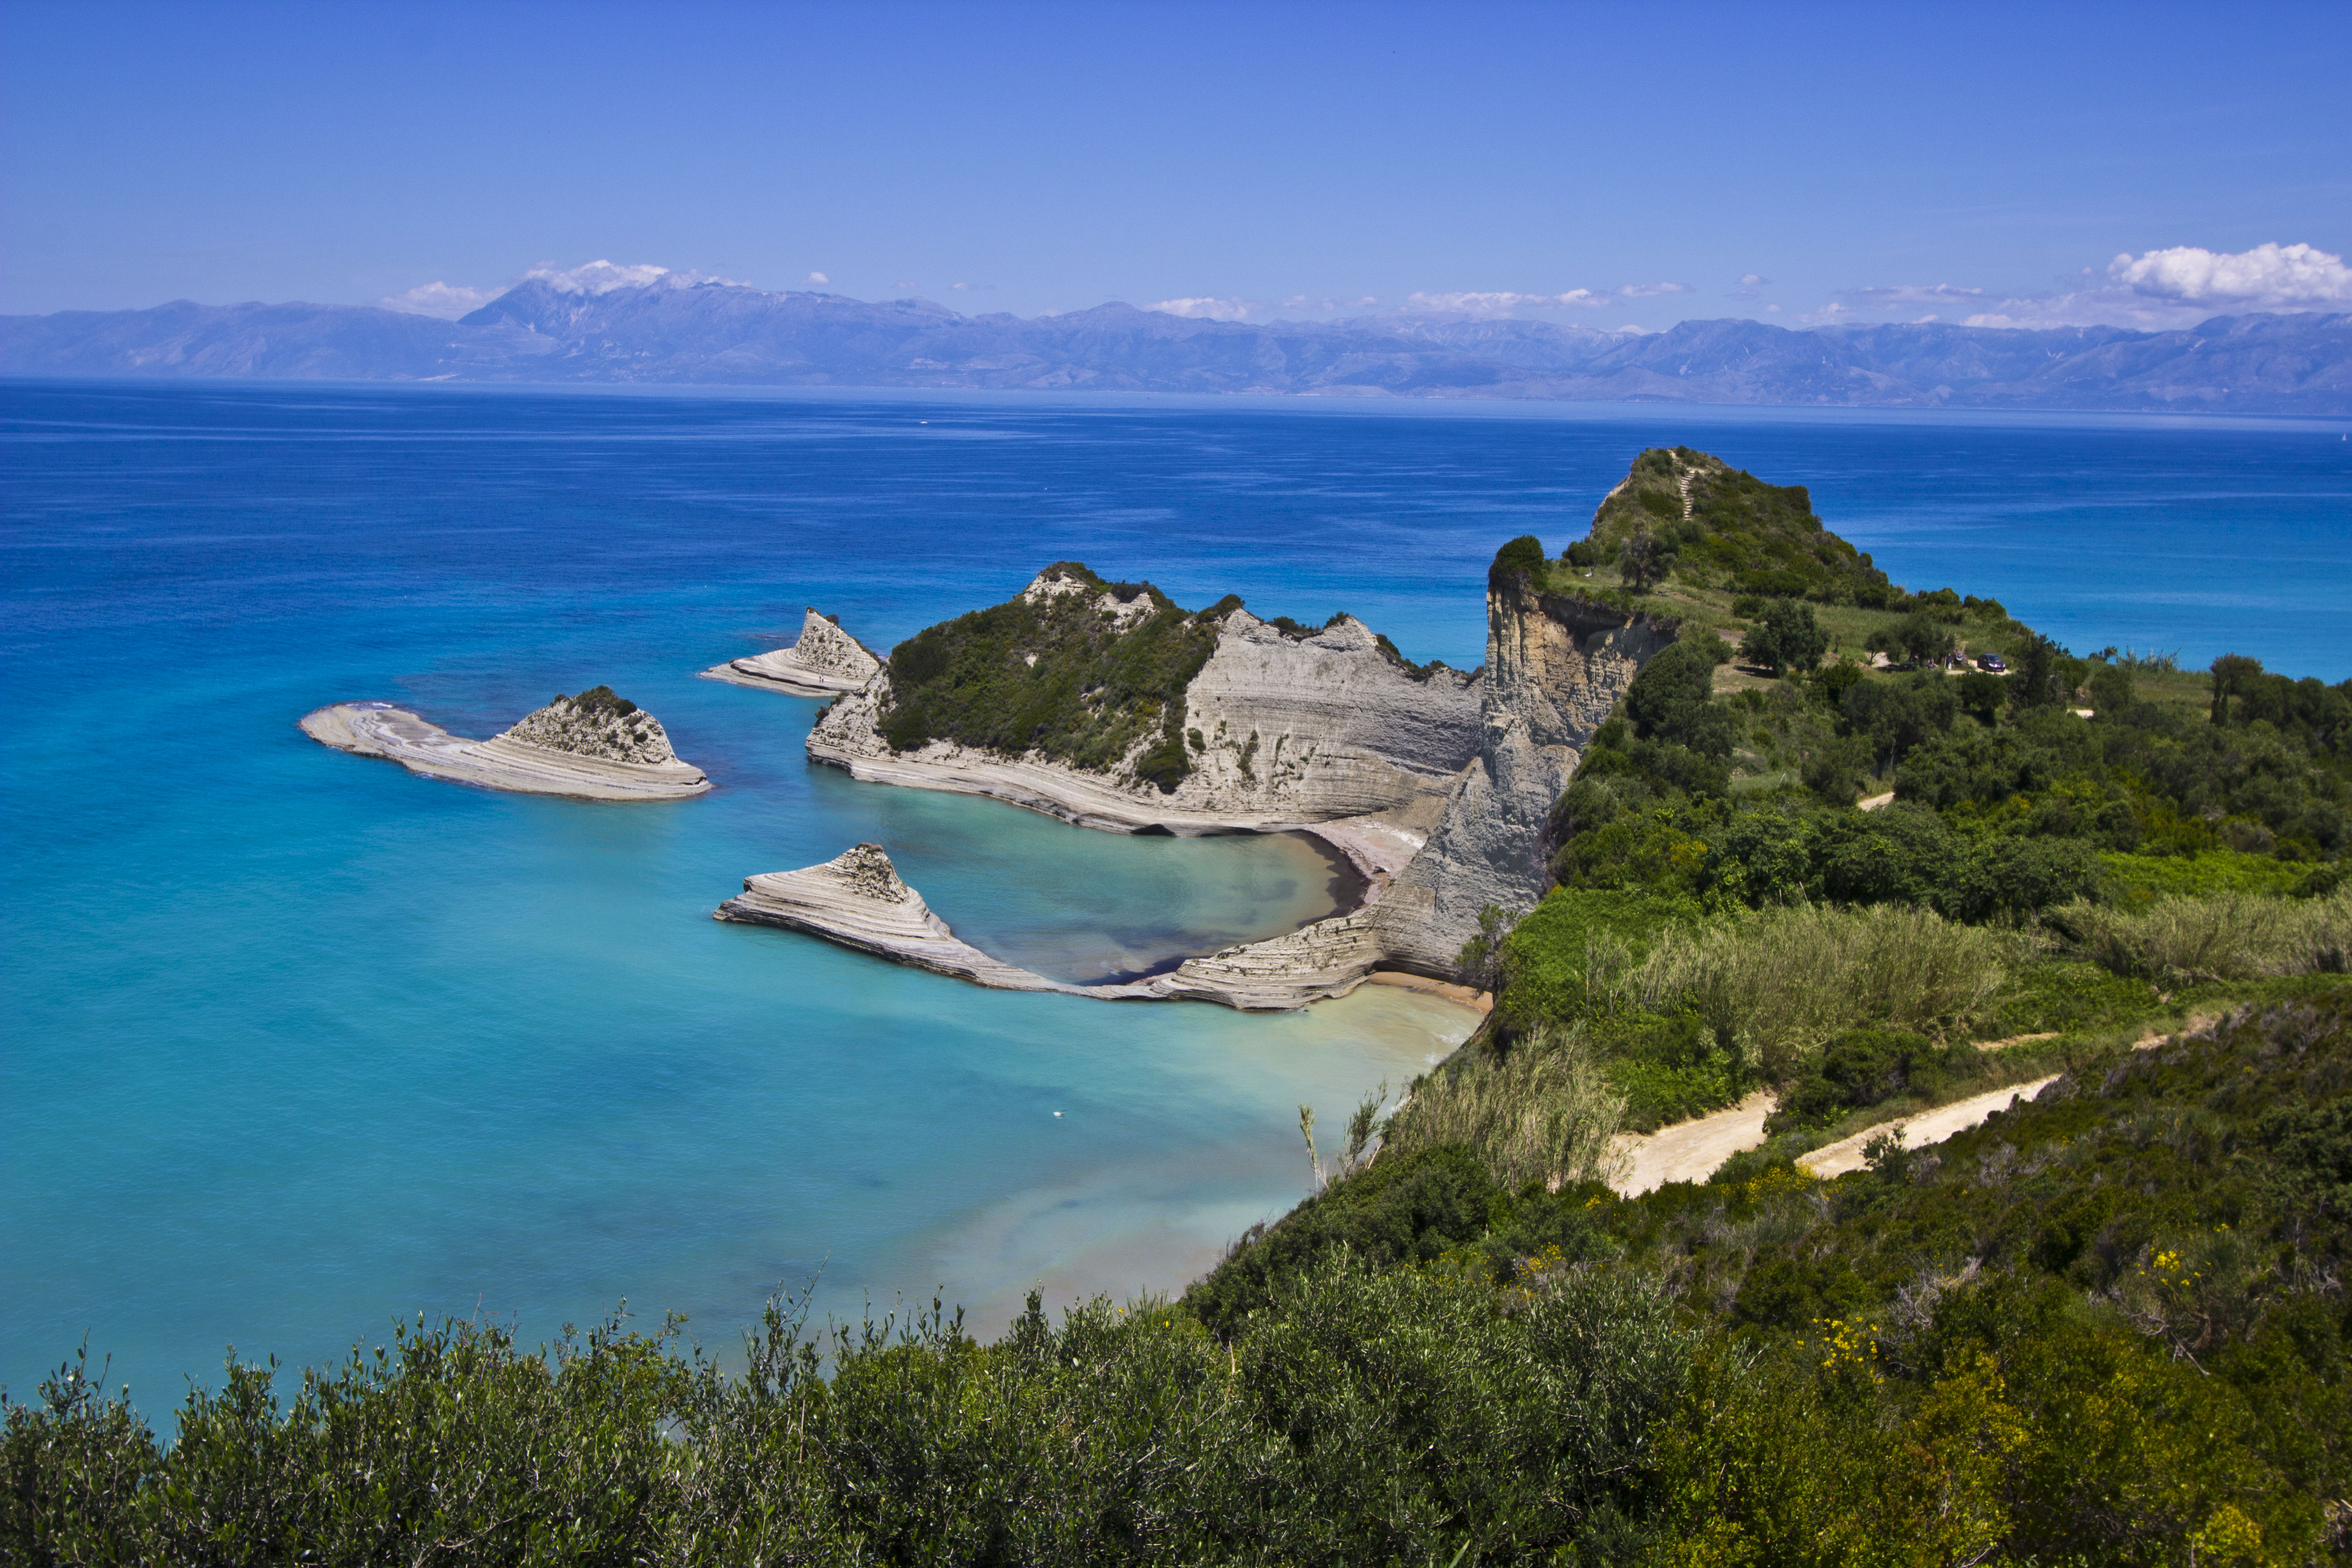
pixel 294 1041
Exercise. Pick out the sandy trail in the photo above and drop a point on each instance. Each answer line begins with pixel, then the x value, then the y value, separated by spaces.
pixel 1689 1150
pixel 1693 1150
pixel 1919 1131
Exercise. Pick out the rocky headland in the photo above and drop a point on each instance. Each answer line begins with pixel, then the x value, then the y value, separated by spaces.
pixel 594 746
pixel 826 662
pixel 1131 715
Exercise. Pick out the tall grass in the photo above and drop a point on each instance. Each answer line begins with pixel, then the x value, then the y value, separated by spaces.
pixel 2234 936
pixel 1775 986
pixel 1543 1112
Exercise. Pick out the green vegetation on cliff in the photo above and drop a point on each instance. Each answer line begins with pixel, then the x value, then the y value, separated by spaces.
pixel 1059 673
pixel 1688 515
pixel 2045 802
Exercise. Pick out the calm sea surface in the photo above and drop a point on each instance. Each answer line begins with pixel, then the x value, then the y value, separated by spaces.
pixel 294 1041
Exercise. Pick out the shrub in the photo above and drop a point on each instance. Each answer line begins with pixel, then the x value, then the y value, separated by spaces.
pixel 1857 1070
pixel 1542 1113
pixel 1523 557
pixel 1782 983
pixel 2235 936
pixel 1788 639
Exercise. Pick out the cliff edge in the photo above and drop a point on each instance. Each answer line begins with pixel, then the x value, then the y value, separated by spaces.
pixel 1106 705
pixel 1556 665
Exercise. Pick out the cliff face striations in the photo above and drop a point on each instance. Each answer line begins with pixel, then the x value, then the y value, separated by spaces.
pixel 1556 664
pixel 1137 716
pixel 594 746
pixel 826 662
pixel 1321 726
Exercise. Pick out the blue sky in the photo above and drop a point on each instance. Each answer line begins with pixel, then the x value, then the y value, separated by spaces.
pixel 1605 166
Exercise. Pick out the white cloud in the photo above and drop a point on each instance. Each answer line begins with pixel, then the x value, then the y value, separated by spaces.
pixel 596 277
pixel 1206 308
pixel 905 285
pixel 1500 302
pixel 818 277
pixel 2182 286
pixel 2269 276
pixel 1651 290
pixel 1325 302
pixel 1753 279
pixel 1632 330
pixel 447 300
pixel 1903 296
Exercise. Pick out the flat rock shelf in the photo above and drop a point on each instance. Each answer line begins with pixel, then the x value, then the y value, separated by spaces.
pixel 381 730
pixel 858 900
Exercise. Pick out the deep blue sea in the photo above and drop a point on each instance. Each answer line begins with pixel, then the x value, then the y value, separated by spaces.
pixel 295 1041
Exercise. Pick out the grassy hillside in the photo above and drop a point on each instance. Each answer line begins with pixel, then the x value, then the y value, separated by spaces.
pixel 2032 803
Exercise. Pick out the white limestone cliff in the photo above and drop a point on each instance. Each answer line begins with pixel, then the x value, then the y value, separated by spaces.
pixel 1439 788
pixel 1555 667
pixel 824 662
pixel 1291 731
pixel 858 899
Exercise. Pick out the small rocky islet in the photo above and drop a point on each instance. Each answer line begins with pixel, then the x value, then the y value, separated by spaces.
pixel 594 746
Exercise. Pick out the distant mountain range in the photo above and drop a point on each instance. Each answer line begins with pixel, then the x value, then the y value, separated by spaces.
pixel 721 334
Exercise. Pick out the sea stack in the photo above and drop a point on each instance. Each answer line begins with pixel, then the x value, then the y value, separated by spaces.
pixel 595 746
pixel 826 662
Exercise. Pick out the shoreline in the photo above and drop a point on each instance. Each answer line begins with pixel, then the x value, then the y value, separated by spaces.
pixel 1465 996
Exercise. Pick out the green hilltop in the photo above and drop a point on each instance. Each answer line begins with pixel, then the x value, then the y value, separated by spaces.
pixel 1057 673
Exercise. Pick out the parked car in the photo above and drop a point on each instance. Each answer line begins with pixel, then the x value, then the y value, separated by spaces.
pixel 1991 665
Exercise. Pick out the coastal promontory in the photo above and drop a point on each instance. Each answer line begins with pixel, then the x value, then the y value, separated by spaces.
pixel 1107 705
pixel 594 746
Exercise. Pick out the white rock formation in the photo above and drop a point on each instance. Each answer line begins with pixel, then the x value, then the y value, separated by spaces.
pixel 594 724
pixel 1292 731
pixel 826 662
pixel 1555 667
pixel 1439 789
pixel 858 900
pixel 591 753
pixel 1326 726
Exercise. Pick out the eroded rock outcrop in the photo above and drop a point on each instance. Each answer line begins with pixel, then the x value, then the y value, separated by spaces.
pixel 824 662
pixel 1437 783
pixel 1281 727
pixel 858 899
pixel 598 724
pixel 595 746
pixel 1556 664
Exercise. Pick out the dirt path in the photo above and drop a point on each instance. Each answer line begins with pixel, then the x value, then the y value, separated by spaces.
pixel 1919 1131
pixel 1693 1150
pixel 1948 1120
pixel 1688 1151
